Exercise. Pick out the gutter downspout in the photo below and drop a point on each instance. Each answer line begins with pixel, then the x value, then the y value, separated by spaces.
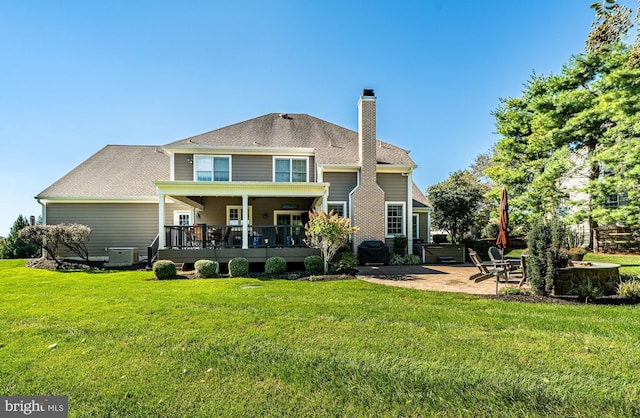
pixel 350 211
pixel 44 210
pixel 410 212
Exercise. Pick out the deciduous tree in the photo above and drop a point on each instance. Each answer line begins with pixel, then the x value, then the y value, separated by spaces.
pixel 456 202
pixel 50 237
pixel 327 232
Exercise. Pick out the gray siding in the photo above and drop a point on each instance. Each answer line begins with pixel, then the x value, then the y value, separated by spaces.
pixel 112 224
pixel 423 227
pixel 341 184
pixel 394 186
pixel 251 168
pixel 259 168
pixel 312 169
pixel 183 169
pixel 243 168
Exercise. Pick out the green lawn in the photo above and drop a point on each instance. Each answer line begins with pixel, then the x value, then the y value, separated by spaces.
pixel 129 346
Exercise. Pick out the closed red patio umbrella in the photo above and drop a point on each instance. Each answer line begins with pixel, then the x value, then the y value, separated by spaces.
pixel 503 241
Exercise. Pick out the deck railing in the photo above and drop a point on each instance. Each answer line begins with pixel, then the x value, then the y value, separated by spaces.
pixel 152 251
pixel 230 236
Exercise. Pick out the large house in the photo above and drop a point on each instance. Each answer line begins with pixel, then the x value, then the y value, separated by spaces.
pixel 245 189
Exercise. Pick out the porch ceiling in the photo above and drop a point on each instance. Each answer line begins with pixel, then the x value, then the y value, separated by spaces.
pixel 239 188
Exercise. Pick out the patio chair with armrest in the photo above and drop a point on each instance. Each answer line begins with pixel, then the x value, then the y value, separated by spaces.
pixel 497 259
pixel 514 266
pixel 487 269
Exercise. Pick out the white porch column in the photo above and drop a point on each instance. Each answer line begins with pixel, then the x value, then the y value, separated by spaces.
pixel 245 221
pixel 325 201
pixel 161 235
pixel 429 227
pixel 410 213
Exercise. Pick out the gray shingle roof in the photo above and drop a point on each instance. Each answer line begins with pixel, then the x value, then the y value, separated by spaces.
pixel 116 171
pixel 333 144
pixel 128 171
pixel 419 199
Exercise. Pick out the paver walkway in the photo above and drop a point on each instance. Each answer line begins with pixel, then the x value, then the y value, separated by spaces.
pixel 445 278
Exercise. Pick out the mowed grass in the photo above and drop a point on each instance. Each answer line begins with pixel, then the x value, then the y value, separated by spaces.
pixel 130 346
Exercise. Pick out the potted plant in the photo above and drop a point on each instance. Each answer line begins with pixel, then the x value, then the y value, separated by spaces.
pixel 577 253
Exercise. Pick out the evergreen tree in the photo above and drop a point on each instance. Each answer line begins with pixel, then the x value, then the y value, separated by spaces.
pixel 14 246
pixel 591 108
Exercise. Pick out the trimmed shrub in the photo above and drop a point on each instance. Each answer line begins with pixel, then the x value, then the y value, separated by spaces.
pixel 346 263
pixel 313 264
pixel 207 268
pixel 164 269
pixel 545 255
pixel 238 267
pixel 275 265
pixel 629 289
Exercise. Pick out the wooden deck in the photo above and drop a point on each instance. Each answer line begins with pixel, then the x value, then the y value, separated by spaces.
pixel 223 255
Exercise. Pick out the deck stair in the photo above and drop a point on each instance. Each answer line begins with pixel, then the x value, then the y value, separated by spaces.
pixel 446 260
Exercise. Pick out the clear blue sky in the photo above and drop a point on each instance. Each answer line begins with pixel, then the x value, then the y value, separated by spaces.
pixel 78 75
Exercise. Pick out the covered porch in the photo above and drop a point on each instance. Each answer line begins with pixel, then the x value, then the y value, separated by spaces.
pixel 223 220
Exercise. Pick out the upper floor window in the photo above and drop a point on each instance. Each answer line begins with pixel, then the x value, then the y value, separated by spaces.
pixel 212 167
pixel 290 169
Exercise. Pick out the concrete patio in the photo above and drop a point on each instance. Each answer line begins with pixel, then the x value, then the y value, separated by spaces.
pixel 444 278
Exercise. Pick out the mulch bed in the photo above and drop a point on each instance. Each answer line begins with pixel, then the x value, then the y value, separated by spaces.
pixel 47 264
pixel 565 300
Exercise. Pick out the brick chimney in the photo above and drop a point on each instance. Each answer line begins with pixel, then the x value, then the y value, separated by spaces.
pixel 368 197
pixel 367 135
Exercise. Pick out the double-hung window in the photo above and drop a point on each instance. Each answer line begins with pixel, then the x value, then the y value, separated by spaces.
pixel 338 208
pixel 212 167
pixel 394 218
pixel 290 169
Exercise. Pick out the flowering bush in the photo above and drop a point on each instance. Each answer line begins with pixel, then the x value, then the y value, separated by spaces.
pixel 328 233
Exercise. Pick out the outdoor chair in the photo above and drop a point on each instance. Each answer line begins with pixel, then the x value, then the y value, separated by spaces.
pixel 487 270
pixel 225 240
pixel 498 259
pixel 514 267
pixel 522 270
